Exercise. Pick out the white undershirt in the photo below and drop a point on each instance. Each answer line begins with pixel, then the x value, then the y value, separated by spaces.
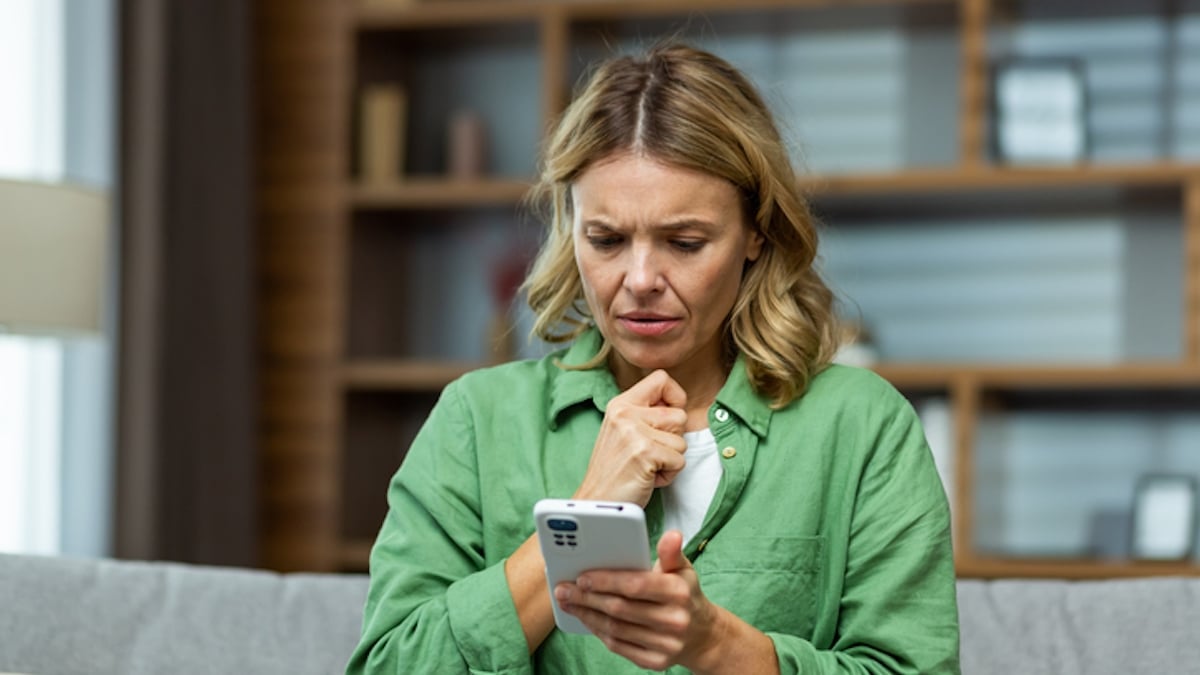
pixel 687 498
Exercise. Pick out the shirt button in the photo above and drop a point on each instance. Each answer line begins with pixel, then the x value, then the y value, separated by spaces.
pixel 729 453
pixel 721 414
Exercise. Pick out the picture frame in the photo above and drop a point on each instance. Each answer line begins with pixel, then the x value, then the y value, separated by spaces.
pixel 1039 111
pixel 1164 517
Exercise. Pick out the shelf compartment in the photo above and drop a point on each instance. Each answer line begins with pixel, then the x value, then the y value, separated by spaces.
pixel 1136 60
pixel 854 87
pixel 425 284
pixel 491 72
pixel 1083 281
pixel 380 427
pixel 1055 468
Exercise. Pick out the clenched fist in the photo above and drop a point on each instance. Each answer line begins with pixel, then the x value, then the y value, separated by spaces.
pixel 640 446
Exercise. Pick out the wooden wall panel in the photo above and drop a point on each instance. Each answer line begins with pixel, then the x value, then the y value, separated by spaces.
pixel 302 65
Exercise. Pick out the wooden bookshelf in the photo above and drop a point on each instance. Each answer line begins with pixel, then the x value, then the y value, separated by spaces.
pixel 315 210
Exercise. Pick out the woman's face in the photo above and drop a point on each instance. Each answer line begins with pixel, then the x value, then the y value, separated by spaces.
pixel 660 251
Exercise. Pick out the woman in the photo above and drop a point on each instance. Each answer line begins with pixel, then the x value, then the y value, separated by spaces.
pixel 679 264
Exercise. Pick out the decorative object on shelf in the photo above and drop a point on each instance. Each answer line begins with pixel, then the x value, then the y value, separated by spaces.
pixel 507 274
pixel 1039 111
pixel 53 252
pixel 857 348
pixel 466 146
pixel 1109 530
pixel 1164 517
pixel 381 139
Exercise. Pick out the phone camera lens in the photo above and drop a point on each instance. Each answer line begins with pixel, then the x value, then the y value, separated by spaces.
pixel 562 524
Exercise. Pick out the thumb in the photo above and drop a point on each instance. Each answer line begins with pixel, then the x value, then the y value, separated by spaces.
pixel 670 552
pixel 671 393
pixel 657 388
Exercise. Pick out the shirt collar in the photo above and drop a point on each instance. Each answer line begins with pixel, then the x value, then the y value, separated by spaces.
pixel 739 397
pixel 573 387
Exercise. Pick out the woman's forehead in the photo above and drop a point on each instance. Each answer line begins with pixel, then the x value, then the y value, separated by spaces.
pixel 635 180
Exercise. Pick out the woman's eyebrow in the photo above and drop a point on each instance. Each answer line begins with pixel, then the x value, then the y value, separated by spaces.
pixel 685 223
pixel 597 223
pixel 673 225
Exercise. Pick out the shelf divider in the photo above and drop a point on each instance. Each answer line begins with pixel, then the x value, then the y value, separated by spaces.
pixel 1191 269
pixel 415 375
pixel 1007 568
pixel 432 192
pixel 1144 375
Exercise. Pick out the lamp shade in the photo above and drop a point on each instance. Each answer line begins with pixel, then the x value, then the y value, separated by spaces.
pixel 53 243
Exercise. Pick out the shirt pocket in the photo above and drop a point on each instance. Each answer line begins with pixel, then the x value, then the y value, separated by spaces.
pixel 769 582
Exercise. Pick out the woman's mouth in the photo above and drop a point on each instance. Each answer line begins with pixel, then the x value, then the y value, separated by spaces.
pixel 647 325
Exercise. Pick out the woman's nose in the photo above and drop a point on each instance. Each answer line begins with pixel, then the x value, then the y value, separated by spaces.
pixel 643 274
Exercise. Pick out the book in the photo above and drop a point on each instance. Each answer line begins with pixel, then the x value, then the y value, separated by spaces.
pixel 383 119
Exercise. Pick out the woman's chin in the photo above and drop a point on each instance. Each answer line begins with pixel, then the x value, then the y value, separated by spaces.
pixel 648 360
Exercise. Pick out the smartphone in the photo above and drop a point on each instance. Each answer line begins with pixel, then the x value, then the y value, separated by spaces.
pixel 577 535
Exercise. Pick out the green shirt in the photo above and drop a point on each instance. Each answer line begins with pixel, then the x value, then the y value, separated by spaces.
pixel 829 530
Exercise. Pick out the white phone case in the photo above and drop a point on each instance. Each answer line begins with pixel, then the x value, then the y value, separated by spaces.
pixel 577 535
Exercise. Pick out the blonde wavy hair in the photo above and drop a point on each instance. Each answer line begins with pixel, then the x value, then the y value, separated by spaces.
pixel 689 108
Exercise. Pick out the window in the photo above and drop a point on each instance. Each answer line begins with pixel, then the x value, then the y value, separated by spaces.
pixel 56 84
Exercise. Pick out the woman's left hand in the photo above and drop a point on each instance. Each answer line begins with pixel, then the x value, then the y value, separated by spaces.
pixel 655 619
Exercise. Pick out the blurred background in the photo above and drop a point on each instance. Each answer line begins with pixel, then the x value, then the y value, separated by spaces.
pixel 301 220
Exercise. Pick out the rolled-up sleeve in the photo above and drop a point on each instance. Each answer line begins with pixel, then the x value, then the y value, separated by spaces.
pixel 434 604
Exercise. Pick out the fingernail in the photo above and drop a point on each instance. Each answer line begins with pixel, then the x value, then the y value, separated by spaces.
pixel 585 583
pixel 562 593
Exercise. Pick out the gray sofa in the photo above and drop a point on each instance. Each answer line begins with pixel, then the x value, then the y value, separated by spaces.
pixel 63 616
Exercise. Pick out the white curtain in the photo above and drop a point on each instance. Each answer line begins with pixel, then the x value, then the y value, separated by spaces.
pixel 30 445
pixel 55 395
pixel 31 82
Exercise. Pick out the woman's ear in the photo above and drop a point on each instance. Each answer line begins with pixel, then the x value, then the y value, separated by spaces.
pixel 754 246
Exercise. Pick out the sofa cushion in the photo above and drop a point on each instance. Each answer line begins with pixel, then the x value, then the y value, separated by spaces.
pixel 66 616
pixel 1121 627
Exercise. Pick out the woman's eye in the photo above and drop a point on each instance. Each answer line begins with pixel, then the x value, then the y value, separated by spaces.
pixel 687 245
pixel 603 241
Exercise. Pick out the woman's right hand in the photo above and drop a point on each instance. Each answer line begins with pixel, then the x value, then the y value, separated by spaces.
pixel 640 446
